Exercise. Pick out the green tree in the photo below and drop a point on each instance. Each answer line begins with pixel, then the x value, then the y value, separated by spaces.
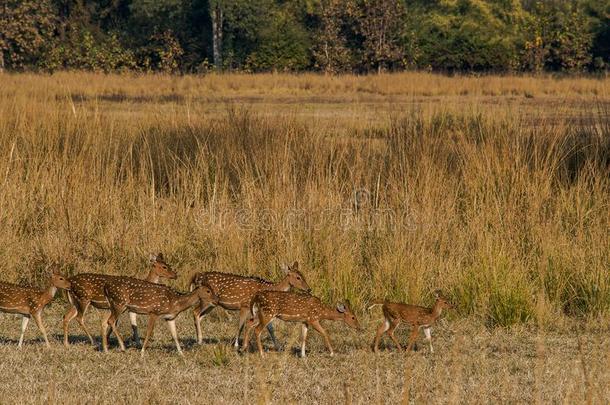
pixel 331 52
pixel 25 28
pixel 245 22
pixel 469 35
pixel 599 14
pixel 381 25
pixel 284 45
pixel 561 34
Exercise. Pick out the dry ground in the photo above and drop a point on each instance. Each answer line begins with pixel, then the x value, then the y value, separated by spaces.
pixel 471 364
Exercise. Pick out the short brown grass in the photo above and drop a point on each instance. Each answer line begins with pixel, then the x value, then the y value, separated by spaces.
pixel 494 189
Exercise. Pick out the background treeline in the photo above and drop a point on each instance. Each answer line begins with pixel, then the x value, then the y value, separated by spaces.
pixel 295 35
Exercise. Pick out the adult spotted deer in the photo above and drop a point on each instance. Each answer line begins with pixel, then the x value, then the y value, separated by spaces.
pixel 154 300
pixel 88 289
pixel 294 307
pixel 417 317
pixel 29 302
pixel 235 293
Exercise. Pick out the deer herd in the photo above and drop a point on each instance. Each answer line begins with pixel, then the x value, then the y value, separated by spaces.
pixel 258 301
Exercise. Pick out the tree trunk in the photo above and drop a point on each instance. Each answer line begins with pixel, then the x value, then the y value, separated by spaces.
pixel 217 18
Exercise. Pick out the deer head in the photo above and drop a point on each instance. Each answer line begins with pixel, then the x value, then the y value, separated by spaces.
pixel 294 276
pixel 441 302
pixel 348 316
pixel 161 268
pixel 206 295
pixel 58 280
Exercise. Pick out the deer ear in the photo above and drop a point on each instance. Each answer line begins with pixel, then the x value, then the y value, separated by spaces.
pixel 160 257
pixel 285 268
pixel 437 294
pixel 152 258
pixel 341 308
pixel 295 265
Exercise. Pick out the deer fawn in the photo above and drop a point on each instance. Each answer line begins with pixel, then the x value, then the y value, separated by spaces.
pixel 88 289
pixel 154 300
pixel 235 293
pixel 30 302
pixel 294 307
pixel 416 316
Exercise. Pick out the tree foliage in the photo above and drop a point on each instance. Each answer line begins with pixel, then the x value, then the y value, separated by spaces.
pixel 327 35
pixel 25 26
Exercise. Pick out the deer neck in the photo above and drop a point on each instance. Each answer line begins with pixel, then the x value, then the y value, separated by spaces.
pixel 48 294
pixel 283 285
pixel 185 301
pixel 436 311
pixel 330 314
pixel 152 277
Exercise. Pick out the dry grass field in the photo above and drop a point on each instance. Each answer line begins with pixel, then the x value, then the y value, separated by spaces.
pixel 494 189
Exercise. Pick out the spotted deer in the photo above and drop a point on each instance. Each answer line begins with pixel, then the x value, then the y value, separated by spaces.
pixel 417 317
pixel 88 289
pixel 29 301
pixel 154 300
pixel 294 307
pixel 235 293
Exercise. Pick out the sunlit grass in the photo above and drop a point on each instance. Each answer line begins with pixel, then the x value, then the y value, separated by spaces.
pixel 492 208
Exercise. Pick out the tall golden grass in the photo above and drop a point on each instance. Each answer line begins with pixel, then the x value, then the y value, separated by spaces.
pixel 501 209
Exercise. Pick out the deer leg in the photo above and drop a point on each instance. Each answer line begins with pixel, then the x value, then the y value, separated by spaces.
pixel 72 312
pixel 112 321
pixel 276 345
pixel 413 337
pixel 391 330
pixel 198 314
pixel 250 324
pixel 428 333
pixel 81 322
pixel 304 329
pixel 150 328
pixel 115 311
pixel 81 308
pixel 133 320
pixel 40 325
pixel 24 325
pixel 197 319
pixel 380 331
pixel 244 313
pixel 258 331
pixel 172 329
pixel 316 325
pixel 105 321
pixel 109 331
